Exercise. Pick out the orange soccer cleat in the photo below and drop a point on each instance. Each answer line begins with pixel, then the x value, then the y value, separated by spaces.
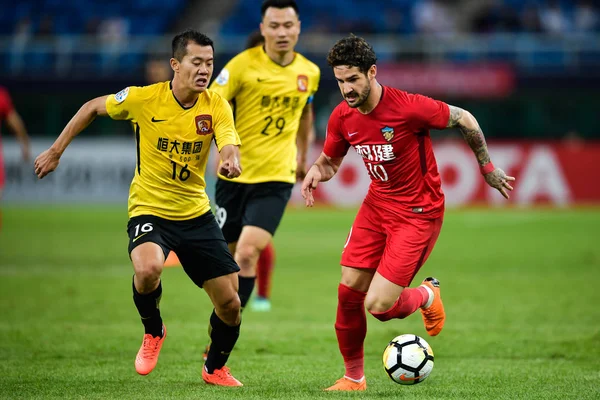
pixel 433 312
pixel 220 377
pixel 345 384
pixel 147 357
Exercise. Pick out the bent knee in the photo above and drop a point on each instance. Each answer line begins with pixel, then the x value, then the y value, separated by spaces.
pixel 382 311
pixel 148 275
pixel 247 256
pixel 229 309
pixel 148 270
pixel 378 305
pixel 246 252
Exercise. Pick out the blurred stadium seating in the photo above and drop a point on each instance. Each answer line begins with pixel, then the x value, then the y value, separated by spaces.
pixel 110 37
pixel 403 16
pixel 527 69
pixel 145 17
pixel 80 36
pixel 539 47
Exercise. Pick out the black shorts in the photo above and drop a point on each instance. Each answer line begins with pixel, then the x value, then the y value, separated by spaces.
pixel 255 204
pixel 198 243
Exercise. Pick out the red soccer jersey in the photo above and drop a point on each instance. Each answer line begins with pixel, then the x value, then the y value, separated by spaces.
pixel 6 105
pixel 395 145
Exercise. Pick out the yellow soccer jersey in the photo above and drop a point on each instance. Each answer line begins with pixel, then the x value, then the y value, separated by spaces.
pixel 268 100
pixel 173 143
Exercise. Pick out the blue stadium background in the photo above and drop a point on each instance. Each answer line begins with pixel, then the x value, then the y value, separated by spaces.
pixel 62 52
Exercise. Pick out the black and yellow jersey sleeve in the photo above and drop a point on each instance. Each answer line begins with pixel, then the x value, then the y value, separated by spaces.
pixel 225 132
pixel 127 103
pixel 268 101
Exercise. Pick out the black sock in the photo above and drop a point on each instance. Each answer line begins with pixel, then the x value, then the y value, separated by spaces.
pixel 148 307
pixel 223 339
pixel 246 286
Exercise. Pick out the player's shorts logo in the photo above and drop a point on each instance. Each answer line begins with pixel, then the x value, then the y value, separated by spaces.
pixel 220 216
pixel 388 133
pixel 302 83
pixel 204 124
pixel 137 237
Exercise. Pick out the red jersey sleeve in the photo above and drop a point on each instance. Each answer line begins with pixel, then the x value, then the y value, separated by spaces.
pixel 6 105
pixel 428 113
pixel 336 145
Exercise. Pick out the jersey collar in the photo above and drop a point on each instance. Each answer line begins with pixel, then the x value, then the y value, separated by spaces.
pixel 181 105
pixel 266 56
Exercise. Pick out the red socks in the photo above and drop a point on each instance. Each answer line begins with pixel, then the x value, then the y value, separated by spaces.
pixel 351 329
pixel 351 322
pixel 410 300
pixel 264 271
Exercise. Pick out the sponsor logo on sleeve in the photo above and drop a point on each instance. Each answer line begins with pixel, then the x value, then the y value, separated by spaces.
pixel 122 95
pixel 223 77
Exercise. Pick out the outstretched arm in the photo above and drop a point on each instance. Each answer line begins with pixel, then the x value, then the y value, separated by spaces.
pixel 230 165
pixel 321 171
pixel 303 139
pixel 16 125
pixel 47 161
pixel 471 132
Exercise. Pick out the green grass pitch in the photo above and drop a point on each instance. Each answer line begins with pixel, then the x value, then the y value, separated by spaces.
pixel 521 290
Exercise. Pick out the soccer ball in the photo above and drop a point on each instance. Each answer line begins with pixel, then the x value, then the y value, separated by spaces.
pixel 408 359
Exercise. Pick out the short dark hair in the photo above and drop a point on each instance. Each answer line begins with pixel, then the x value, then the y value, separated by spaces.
pixel 278 4
pixel 181 40
pixel 352 51
pixel 254 39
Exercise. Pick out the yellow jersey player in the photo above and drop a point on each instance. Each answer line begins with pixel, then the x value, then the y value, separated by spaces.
pixel 270 88
pixel 174 123
pixel 265 265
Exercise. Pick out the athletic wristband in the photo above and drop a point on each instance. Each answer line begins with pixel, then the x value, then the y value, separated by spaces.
pixel 487 168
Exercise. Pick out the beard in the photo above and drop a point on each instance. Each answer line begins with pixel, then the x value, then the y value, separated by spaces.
pixel 362 97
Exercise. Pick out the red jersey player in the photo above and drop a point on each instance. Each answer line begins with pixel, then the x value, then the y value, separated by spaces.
pixel 401 216
pixel 15 123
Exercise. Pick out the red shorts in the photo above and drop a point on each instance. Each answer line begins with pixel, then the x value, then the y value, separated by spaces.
pixel 396 245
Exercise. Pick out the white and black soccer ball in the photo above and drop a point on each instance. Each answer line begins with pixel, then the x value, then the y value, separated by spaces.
pixel 408 359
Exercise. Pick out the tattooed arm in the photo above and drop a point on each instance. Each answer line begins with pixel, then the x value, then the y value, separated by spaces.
pixel 471 132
